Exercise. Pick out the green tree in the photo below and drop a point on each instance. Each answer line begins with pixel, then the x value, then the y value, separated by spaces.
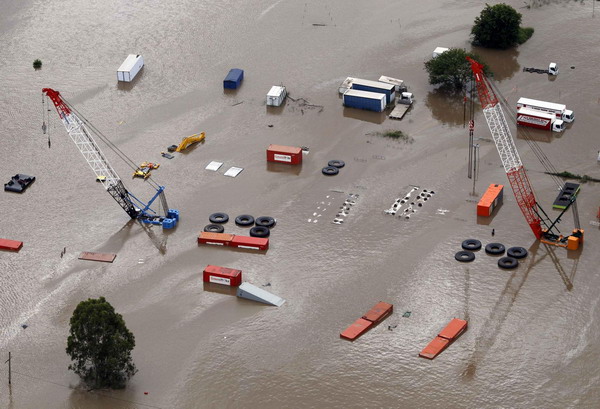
pixel 451 68
pixel 497 26
pixel 100 345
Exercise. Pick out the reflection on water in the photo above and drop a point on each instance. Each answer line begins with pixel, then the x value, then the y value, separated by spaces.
pixel 447 106
pixel 364 115
pixel 502 63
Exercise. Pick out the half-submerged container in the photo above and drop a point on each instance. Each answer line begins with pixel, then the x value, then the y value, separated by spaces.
pixel 284 154
pixel 130 68
pixel 222 275
pixel 233 79
pixel 371 101
pixel 490 200
pixel 276 95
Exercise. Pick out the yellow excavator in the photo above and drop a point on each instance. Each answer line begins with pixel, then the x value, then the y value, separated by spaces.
pixel 187 141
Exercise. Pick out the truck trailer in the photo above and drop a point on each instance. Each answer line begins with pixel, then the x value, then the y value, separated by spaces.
pixel 559 110
pixel 539 119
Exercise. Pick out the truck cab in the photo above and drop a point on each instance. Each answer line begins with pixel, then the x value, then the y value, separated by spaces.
pixel 406 98
pixel 553 68
pixel 568 116
pixel 558 125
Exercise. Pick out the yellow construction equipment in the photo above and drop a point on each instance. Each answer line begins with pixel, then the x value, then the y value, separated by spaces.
pixel 187 141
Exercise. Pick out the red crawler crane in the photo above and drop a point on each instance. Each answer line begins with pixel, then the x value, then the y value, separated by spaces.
pixel 515 171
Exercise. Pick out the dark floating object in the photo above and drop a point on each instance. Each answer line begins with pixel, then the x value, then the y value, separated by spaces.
pixel 24 326
pixel 19 183
pixel 37 64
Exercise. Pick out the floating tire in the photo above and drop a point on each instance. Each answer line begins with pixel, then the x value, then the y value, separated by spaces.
pixel 516 252
pixel 464 256
pixel 495 249
pixel 330 170
pixel 260 231
pixel 214 228
pixel 471 244
pixel 508 263
pixel 244 220
pixel 336 163
pixel 217 218
pixel 265 221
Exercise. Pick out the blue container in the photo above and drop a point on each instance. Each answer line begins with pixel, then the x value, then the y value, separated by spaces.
pixel 375 86
pixel 371 101
pixel 233 79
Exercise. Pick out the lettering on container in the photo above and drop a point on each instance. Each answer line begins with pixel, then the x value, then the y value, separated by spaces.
pixel 533 120
pixel 282 158
pixel 219 280
pixel 216 244
pixel 249 247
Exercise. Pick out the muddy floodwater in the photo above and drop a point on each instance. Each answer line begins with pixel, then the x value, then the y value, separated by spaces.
pixel 533 337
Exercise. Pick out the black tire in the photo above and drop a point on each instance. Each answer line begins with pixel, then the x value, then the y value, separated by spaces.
pixel 508 263
pixel 260 231
pixel 330 170
pixel 218 217
pixel 471 245
pixel 265 221
pixel 214 228
pixel 244 220
pixel 516 252
pixel 495 249
pixel 336 163
pixel 464 256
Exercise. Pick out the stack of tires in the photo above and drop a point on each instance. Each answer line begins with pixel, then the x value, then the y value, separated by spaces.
pixel 333 167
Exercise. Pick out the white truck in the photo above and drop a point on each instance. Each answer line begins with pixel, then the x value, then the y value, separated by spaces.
pixel 539 119
pixel 559 110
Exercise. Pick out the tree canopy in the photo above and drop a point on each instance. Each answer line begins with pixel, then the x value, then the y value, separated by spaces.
pixel 451 68
pixel 100 345
pixel 497 26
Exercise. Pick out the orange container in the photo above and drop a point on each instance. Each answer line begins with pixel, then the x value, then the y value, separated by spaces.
pixel 434 348
pixel 219 239
pixel 359 327
pixel 253 243
pixel 284 154
pixel 446 336
pixel 453 329
pixel 379 312
pixel 13 245
pixel 490 199
pixel 222 275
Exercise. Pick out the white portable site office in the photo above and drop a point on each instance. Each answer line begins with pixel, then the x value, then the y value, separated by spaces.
pixel 130 68
pixel 276 95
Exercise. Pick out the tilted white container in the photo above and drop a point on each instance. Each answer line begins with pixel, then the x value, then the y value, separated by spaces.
pixel 130 68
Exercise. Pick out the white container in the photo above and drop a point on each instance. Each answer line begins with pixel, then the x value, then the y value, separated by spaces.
pixel 276 95
pixel 389 80
pixel 438 51
pixel 130 68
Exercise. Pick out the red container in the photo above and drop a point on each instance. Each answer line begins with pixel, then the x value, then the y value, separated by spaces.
pixel 219 239
pixel 434 348
pixel 13 245
pixel 490 200
pixel 254 243
pixel 359 327
pixel 222 275
pixel 379 312
pixel 284 154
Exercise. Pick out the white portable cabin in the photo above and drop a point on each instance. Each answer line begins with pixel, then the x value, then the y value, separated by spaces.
pixel 438 51
pixel 276 95
pixel 394 81
pixel 130 68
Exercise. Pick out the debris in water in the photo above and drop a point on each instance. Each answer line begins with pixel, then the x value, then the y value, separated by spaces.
pixel 406 314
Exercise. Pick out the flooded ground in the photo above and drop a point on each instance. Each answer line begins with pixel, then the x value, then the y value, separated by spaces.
pixel 533 332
